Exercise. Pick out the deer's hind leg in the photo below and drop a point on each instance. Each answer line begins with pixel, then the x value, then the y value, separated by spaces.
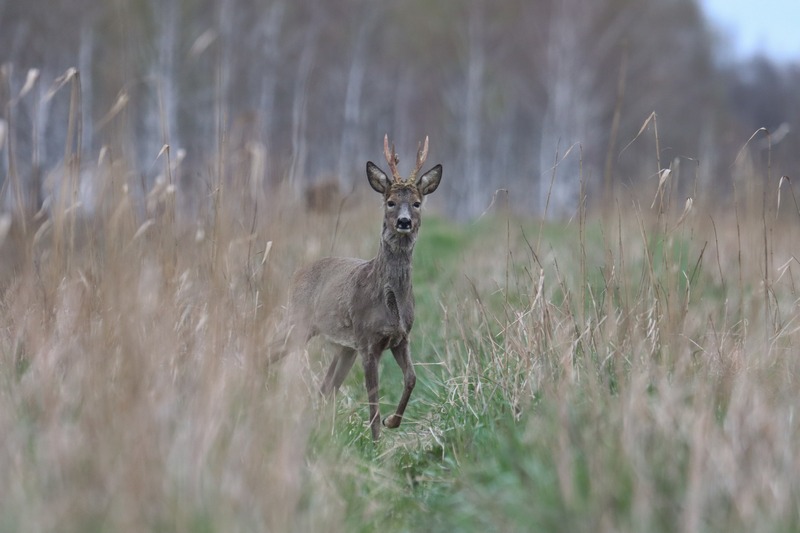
pixel 340 367
pixel 402 355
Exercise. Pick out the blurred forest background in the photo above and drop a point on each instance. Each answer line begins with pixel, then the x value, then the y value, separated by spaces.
pixel 300 92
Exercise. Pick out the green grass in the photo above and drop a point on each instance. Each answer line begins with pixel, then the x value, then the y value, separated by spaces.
pixel 514 466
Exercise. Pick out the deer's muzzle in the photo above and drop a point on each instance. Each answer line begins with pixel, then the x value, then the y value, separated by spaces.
pixel 404 224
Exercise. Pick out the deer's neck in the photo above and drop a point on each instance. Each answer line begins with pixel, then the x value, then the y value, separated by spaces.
pixel 393 265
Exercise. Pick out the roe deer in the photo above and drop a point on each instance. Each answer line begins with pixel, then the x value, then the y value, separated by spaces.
pixel 366 307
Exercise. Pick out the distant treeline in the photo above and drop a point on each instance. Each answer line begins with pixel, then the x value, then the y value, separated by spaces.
pixel 518 95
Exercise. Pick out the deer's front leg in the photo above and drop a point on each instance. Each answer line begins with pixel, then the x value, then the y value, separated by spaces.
pixel 370 361
pixel 402 355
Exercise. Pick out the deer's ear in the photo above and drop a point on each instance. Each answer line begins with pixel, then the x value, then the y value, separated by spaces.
pixel 377 178
pixel 430 180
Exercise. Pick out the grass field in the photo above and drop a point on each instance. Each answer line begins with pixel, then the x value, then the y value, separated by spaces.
pixel 628 371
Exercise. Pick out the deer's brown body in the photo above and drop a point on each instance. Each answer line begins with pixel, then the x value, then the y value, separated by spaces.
pixel 367 307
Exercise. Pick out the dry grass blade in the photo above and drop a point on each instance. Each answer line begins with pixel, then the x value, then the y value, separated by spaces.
pixel 662 179
pixel 687 208
pixel 785 179
pixel 741 150
pixel 30 80
pixel 646 123
pixel 60 82
pixel 119 104
pixel 164 150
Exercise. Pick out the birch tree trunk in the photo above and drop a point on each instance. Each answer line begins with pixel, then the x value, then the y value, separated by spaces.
pixel 476 66
pixel 299 143
pixel 569 109
pixel 352 102
pixel 85 61
pixel 271 28
pixel 159 106
pixel 167 47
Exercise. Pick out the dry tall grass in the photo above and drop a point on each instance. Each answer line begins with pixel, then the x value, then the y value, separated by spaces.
pixel 134 395
pixel 627 373
pixel 652 356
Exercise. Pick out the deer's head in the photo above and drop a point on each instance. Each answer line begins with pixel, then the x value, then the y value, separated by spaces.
pixel 402 198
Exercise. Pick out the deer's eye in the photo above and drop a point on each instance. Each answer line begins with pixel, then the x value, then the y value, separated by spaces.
pixel 416 205
pixel 390 203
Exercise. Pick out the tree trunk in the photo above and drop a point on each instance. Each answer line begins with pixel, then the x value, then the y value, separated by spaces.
pixel 475 199
pixel 85 60
pixel 167 76
pixel 271 27
pixel 299 142
pixel 352 102
pixel 568 111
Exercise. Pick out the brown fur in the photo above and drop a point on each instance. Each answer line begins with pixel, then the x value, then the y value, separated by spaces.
pixel 366 307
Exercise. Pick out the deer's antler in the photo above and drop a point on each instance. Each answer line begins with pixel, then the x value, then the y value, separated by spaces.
pixel 392 159
pixel 422 154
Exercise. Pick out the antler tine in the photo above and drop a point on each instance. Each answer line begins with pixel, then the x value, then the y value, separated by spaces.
pixel 422 155
pixel 391 158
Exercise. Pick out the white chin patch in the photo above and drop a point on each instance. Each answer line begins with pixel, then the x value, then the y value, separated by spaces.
pixel 403 230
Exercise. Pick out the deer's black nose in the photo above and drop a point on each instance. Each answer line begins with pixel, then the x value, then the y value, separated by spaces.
pixel 404 223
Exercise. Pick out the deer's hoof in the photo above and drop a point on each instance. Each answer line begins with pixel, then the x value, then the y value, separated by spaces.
pixel 392 421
